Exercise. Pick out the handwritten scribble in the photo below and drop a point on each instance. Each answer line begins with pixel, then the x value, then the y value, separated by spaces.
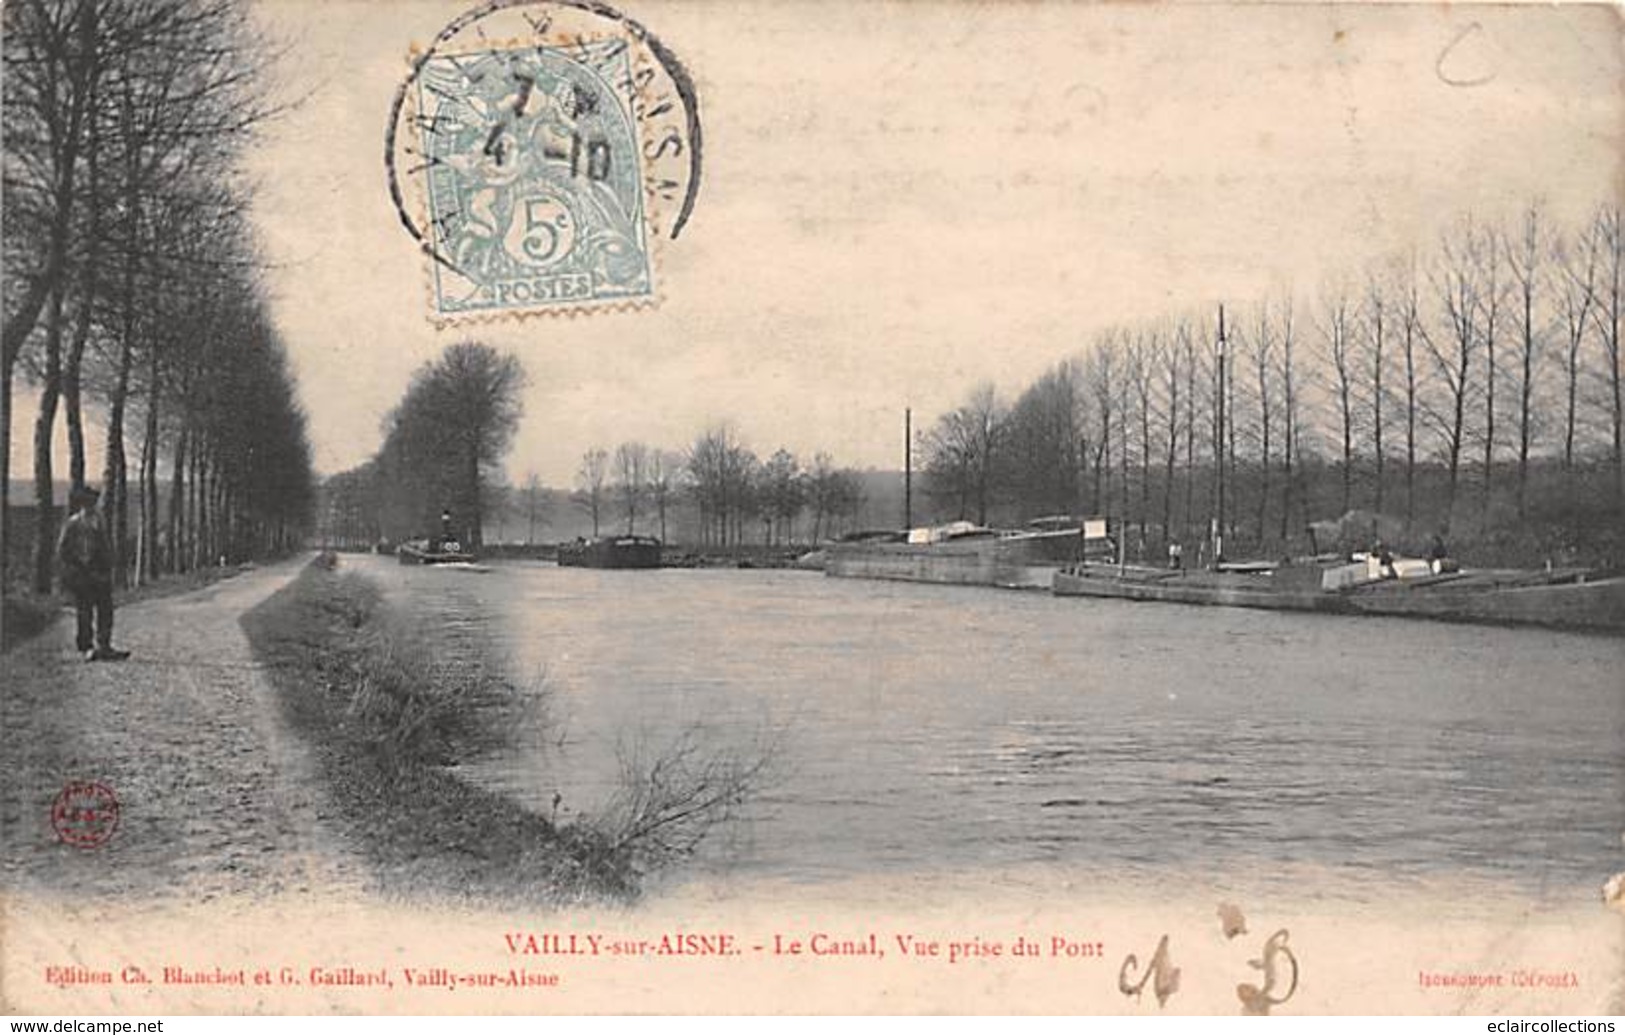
pixel 1256 1001
pixel 1161 972
pixel 1442 68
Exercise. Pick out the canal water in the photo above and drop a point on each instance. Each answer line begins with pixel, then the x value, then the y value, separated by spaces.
pixel 915 729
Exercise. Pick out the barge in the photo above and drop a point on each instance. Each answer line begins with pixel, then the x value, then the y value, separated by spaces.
pixel 620 551
pixel 1567 598
pixel 960 554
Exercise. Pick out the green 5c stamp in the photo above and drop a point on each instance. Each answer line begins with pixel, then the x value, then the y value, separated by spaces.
pixel 535 190
pixel 545 162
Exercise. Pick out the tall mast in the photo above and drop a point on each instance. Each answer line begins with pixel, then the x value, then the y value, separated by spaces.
pixel 908 468
pixel 1219 451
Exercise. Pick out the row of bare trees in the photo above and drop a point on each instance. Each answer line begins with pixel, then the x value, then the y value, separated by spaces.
pixel 131 280
pixel 728 488
pixel 1491 364
pixel 631 481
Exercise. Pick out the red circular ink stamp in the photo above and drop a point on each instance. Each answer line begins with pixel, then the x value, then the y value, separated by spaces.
pixel 85 814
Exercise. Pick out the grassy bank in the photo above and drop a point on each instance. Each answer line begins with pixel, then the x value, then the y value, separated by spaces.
pixel 385 721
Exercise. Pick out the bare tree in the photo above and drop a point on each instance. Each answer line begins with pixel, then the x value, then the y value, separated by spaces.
pixel 1336 332
pixel 1527 255
pixel 1190 357
pixel 1577 259
pixel 1101 377
pixel 535 506
pixel 1263 356
pixel 1376 328
pixel 821 490
pixel 1290 425
pixel 1409 315
pixel 960 451
pixel 1041 443
pixel 591 478
pixel 1607 316
pixel 719 469
pixel 631 462
pixel 1455 282
pixel 784 492
pixel 1492 289
pixel 1174 357
pixel 1223 372
pixel 1143 357
pixel 1227 431
pixel 662 468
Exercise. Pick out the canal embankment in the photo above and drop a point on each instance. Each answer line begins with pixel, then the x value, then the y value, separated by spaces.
pixel 389 721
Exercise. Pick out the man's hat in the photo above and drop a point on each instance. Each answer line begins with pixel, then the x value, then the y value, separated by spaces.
pixel 83 495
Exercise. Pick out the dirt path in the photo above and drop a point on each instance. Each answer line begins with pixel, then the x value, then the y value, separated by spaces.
pixel 217 798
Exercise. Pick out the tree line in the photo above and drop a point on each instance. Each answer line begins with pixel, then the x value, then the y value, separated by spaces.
pixel 718 492
pixel 442 450
pixel 1473 390
pixel 132 281
pixel 732 493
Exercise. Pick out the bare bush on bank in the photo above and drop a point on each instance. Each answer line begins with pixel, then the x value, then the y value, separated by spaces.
pixel 673 796
pixel 393 713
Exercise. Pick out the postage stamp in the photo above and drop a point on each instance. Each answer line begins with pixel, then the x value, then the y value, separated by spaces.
pixel 535 185
pixel 538 152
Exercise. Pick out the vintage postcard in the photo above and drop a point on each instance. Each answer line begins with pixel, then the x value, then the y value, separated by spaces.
pixel 555 506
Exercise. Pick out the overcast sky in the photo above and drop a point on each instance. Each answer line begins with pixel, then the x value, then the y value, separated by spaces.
pixel 900 200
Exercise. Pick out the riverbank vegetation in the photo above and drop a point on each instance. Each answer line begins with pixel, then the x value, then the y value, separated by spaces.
pixel 391 716
pixel 132 287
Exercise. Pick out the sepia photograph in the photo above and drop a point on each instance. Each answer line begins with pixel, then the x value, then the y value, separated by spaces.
pixel 903 507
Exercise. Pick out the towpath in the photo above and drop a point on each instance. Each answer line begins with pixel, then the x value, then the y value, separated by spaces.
pixel 217 797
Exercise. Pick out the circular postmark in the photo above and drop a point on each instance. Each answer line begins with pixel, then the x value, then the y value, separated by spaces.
pixel 536 151
pixel 85 814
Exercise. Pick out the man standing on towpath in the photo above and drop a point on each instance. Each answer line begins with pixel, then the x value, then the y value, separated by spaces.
pixel 87 573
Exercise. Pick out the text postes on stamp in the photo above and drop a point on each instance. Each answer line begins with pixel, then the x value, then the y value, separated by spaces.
pixel 85 813
pixel 546 146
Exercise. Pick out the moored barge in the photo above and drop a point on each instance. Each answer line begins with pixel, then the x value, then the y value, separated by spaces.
pixel 1568 598
pixel 960 554
pixel 620 551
